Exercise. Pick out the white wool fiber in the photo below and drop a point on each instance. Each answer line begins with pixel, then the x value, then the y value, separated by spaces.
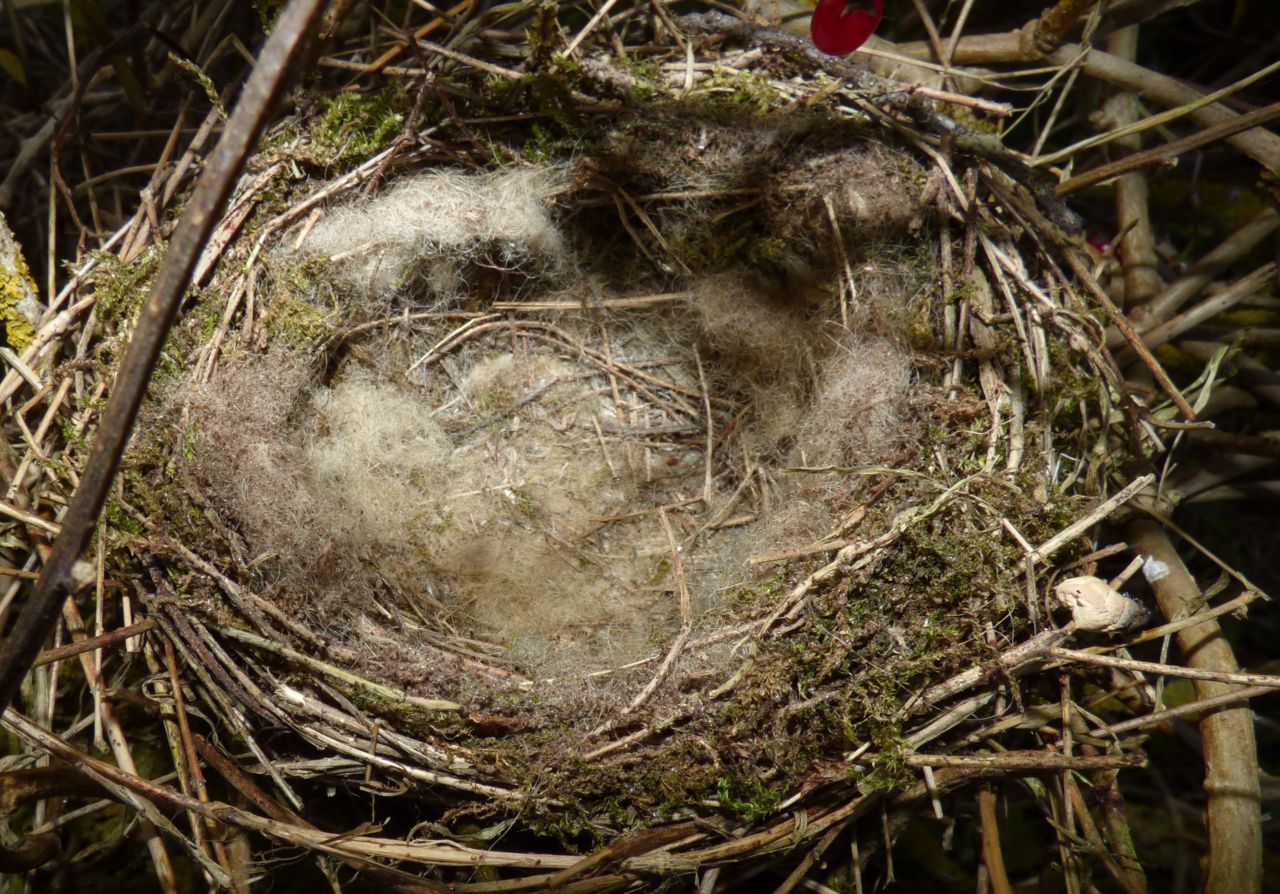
pixel 860 409
pixel 378 460
pixel 443 217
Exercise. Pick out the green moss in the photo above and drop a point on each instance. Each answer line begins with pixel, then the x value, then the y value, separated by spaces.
pixel 304 305
pixel 891 772
pixel 524 504
pixel 548 143
pixel 119 288
pixel 207 317
pixel 750 800
pixel 267 11
pixel 734 97
pixel 970 120
pixel 404 717
pixel 647 76
pixel 552 96
pixel 717 249
pixel 121 526
pixel 354 126
pixel 492 406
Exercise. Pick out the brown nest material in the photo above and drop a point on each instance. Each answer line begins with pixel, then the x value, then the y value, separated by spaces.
pixel 613 474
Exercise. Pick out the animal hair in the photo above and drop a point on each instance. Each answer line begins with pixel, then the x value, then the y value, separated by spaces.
pixel 432 223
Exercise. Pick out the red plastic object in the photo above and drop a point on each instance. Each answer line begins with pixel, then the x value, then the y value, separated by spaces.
pixel 839 27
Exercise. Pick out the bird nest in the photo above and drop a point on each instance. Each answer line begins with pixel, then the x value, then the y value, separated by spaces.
pixel 611 473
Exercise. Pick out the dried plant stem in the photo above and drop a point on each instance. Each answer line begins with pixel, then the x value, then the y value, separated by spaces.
pixel 578 306
pixel 1139 125
pixel 185 762
pixel 1233 605
pixel 1120 836
pixel 1102 511
pixel 1261 380
pixel 1234 863
pixel 29 518
pixel 986 106
pixel 1170 670
pixel 796 876
pixel 1180 291
pixel 1234 697
pixel 588 28
pixel 89 644
pixel 407 761
pixel 1136 249
pixel 639 843
pixel 1022 654
pixel 1246 287
pixel 992 856
pixel 1051 29
pixel 961 19
pixel 1226 442
pixel 422 31
pixel 931 29
pixel 1080 811
pixel 120 749
pixel 1258 144
pixel 146 796
pixel 1122 323
pixel 813 549
pixel 1169 152
pixel 427 704
pixel 1029 761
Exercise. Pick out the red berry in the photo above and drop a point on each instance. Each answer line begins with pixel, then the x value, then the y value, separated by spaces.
pixel 839 27
pixel 1101 244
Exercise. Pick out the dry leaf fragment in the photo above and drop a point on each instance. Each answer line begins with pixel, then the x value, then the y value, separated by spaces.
pixel 1095 606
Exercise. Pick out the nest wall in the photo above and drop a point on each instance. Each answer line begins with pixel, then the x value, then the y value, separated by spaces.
pixel 643 475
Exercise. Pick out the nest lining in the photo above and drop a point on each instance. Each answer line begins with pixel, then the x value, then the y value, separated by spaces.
pixel 666 269
pixel 539 482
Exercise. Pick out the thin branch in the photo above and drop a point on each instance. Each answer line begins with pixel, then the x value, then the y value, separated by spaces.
pixel 1169 152
pixel 1169 670
pixel 1234 862
pixel 1259 144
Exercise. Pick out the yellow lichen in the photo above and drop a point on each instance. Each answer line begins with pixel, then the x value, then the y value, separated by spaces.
pixel 19 306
